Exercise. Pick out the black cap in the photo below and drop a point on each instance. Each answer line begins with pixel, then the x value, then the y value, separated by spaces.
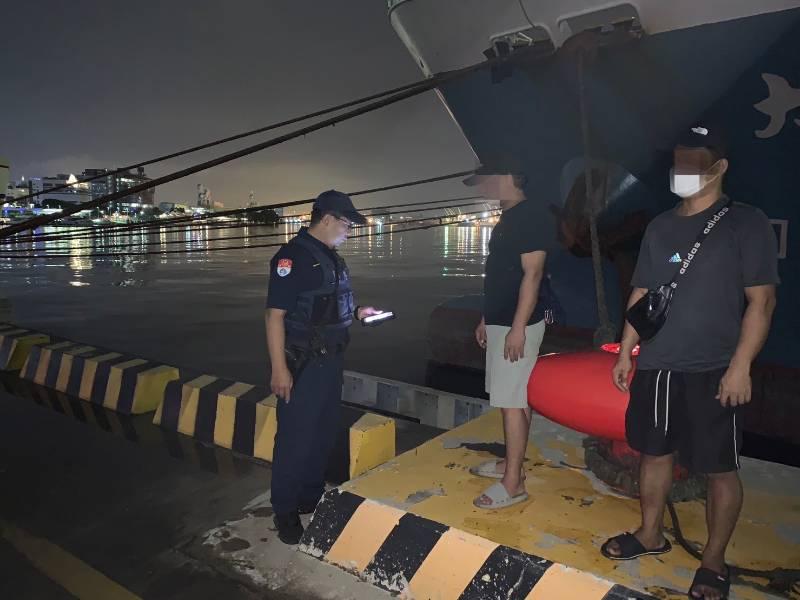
pixel 704 136
pixel 340 205
pixel 504 164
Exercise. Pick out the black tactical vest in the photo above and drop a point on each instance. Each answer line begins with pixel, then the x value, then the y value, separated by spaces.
pixel 325 309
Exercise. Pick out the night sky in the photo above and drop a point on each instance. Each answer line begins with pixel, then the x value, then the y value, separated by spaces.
pixel 93 83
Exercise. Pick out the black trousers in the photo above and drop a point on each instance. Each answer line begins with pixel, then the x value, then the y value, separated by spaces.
pixel 307 429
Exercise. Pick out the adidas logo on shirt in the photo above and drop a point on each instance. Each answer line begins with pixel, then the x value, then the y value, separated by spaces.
pixel 675 258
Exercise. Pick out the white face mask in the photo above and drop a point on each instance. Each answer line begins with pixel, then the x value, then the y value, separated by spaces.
pixel 687 185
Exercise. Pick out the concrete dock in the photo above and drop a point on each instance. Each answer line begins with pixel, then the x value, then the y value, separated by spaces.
pixel 110 505
pixel 570 514
pixel 100 514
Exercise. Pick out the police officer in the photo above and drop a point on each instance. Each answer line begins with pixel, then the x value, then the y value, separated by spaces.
pixel 309 310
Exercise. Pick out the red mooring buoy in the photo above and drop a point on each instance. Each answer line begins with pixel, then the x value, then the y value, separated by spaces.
pixel 575 390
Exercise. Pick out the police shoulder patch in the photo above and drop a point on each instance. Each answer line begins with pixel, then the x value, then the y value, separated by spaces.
pixel 284 267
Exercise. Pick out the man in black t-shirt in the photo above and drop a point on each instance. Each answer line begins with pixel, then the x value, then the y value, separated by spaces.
pixel 693 376
pixel 512 327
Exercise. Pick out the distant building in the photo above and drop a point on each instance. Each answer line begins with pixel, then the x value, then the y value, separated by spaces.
pixel 4 175
pixel 112 183
pixel 99 187
pixel 203 196
pixel 18 190
pixel 76 193
pixel 173 207
pixel 252 203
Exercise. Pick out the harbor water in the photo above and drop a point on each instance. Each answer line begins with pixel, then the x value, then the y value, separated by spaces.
pixel 205 309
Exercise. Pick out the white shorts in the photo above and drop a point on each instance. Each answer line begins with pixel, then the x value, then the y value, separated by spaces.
pixel 506 381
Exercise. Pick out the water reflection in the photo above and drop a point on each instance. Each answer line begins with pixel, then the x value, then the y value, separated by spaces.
pixel 451 251
pixel 78 260
pixel 128 283
pixel 166 304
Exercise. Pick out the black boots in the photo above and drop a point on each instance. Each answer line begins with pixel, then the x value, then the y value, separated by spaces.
pixel 307 509
pixel 290 529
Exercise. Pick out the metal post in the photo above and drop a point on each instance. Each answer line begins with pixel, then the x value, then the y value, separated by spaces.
pixel 605 332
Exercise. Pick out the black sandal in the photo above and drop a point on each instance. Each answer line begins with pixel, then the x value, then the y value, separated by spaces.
pixel 712 579
pixel 631 548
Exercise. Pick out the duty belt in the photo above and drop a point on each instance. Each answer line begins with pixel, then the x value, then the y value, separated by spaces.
pixel 298 356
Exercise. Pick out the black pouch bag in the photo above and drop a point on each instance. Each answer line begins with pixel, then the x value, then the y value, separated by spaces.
pixel 650 312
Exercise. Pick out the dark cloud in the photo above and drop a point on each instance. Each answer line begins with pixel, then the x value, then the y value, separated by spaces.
pixel 95 83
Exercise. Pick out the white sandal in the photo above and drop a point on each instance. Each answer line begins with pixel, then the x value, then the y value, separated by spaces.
pixel 500 498
pixel 487 469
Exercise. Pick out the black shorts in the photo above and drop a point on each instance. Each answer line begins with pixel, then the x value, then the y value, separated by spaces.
pixel 671 411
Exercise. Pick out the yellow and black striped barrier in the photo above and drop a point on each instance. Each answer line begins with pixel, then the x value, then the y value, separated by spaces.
pixel 243 418
pixel 420 558
pixel 371 443
pixel 237 416
pixel 15 345
pixel 119 382
pixel 227 414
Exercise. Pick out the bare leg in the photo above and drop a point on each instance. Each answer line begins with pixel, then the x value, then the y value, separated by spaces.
pixel 655 482
pixel 516 428
pixel 723 505
pixel 500 467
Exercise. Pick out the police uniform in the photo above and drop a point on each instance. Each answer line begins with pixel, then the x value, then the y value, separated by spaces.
pixel 311 282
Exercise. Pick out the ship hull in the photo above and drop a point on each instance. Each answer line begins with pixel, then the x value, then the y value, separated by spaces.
pixel 638 95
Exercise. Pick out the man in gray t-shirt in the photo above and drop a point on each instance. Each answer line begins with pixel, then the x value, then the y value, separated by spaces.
pixel 695 373
pixel 705 318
